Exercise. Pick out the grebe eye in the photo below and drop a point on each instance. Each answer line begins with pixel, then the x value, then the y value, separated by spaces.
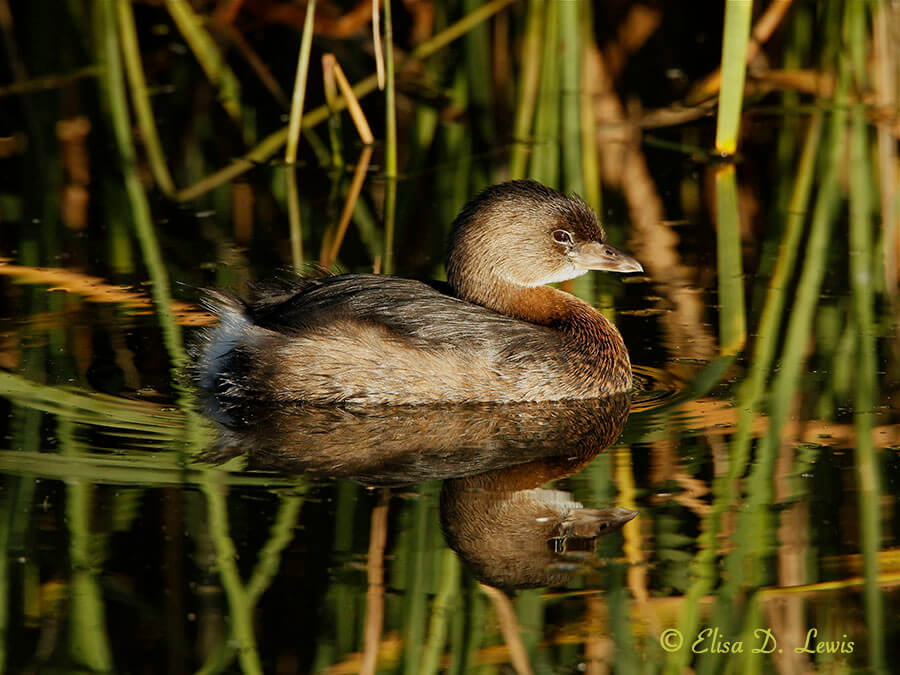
pixel 611 252
pixel 562 237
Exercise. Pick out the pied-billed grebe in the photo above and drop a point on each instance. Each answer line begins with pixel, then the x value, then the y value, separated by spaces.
pixel 499 334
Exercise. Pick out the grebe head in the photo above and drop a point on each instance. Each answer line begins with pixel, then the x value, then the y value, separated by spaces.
pixel 526 234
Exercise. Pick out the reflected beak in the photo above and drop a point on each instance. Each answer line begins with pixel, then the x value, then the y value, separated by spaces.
pixel 597 256
pixel 596 522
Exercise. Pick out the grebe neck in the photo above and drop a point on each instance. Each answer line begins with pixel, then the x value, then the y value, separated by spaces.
pixel 542 305
pixel 597 357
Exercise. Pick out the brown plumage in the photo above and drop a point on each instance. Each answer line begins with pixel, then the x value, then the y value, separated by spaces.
pixel 498 334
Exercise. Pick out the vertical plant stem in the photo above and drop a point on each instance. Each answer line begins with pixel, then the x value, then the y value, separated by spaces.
pixel 478 66
pixel 529 82
pixel 732 322
pixel 375 591
pixel 769 324
pixel 376 41
pixel 359 177
pixel 734 55
pixel 344 600
pixel 89 640
pixel 862 274
pixel 509 626
pixel 545 155
pixel 886 54
pixel 269 558
pixel 117 108
pixel 570 34
pixel 590 160
pixel 416 588
pixel 299 95
pixel 294 221
pixel 226 556
pixel 390 150
pixel 140 99
pixel 799 325
pixel 6 518
pixel 334 119
pixel 444 602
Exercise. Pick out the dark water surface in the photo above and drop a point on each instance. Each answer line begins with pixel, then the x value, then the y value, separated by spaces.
pixel 736 512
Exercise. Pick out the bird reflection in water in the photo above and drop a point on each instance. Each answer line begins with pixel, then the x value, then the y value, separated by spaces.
pixel 493 458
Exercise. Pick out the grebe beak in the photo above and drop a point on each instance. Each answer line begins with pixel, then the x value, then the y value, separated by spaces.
pixel 596 256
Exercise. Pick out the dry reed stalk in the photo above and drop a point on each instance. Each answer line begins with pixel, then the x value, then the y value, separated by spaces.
pixel 599 649
pixel 375 592
pixel 359 177
pixel 353 107
pixel 509 627
pixel 376 43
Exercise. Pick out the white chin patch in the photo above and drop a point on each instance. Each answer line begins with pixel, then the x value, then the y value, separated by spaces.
pixel 564 274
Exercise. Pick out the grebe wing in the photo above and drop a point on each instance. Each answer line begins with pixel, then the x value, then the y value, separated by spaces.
pixel 412 310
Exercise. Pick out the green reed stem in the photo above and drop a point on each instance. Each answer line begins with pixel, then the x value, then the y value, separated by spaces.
pixel 274 141
pixel 732 316
pixel 545 155
pixel 299 95
pixel 863 270
pixel 734 67
pixel 117 109
pixel 334 119
pixel 89 640
pixel 416 590
pixel 590 160
pixel 445 601
pixel 208 55
pixel 6 519
pixel 342 599
pixel 529 83
pixel 390 149
pixel 478 66
pixel 570 34
pixel 296 227
pixel 269 557
pixel 140 99
pixel 816 258
pixel 770 321
pixel 238 597
pixel 476 630
pixel 530 608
